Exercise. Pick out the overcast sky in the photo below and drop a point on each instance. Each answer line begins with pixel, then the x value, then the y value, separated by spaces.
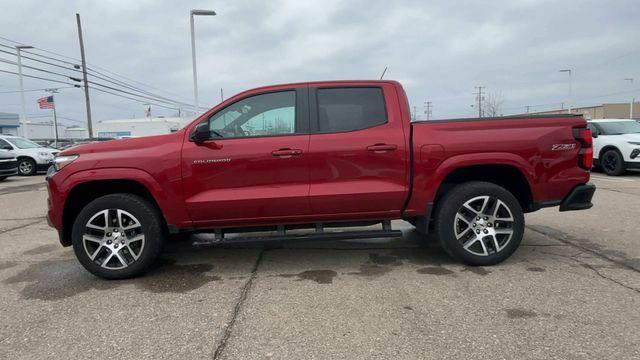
pixel 439 50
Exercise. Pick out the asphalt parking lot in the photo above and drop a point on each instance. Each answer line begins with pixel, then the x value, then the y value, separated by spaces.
pixel 572 291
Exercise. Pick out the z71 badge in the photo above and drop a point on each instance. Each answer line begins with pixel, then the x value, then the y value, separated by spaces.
pixel 562 147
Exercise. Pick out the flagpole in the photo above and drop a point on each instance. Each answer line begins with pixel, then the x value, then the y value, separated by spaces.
pixel 55 123
pixel 55 118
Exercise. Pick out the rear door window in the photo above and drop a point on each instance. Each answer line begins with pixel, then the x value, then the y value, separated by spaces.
pixel 348 109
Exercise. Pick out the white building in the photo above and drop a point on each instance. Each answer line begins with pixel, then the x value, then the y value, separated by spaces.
pixel 43 130
pixel 75 133
pixel 139 127
pixel 9 123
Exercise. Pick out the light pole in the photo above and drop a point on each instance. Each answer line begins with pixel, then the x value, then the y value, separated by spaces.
pixel 193 52
pixel 633 99
pixel 24 106
pixel 569 102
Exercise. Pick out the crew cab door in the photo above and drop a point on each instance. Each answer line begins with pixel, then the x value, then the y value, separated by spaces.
pixel 254 165
pixel 357 152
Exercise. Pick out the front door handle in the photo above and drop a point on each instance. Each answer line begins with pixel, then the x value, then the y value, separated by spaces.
pixel 286 152
pixel 382 148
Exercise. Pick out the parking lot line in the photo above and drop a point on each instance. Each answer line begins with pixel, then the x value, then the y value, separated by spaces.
pixel 612 179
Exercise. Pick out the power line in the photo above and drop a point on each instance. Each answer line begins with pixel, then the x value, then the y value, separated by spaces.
pixel 36 77
pixel 130 98
pixel 153 96
pixel 38 69
pixel 33 90
pixel 93 72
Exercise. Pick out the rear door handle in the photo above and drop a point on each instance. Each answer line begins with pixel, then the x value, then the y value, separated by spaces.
pixel 286 152
pixel 381 148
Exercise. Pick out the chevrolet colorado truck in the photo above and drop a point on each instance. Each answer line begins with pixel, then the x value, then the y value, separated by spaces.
pixel 306 160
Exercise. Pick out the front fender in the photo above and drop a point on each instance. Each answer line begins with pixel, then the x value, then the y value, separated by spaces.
pixel 170 203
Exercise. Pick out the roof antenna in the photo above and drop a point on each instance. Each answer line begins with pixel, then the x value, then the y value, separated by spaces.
pixel 385 70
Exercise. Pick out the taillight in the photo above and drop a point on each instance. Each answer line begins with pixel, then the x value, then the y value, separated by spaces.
pixel 585 155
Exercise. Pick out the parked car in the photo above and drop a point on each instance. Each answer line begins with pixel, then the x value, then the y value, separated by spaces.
pixel 8 164
pixel 313 157
pixel 31 156
pixel 616 145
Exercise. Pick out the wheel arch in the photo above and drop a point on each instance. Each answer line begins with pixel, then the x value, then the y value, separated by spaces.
pixel 607 148
pixel 83 193
pixel 507 176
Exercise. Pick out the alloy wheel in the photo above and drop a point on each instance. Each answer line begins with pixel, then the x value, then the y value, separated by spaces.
pixel 113 239
pixel 484 225
pixel 610 162
pixel 25 167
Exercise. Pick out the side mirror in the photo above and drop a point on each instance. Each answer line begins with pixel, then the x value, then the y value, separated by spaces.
pixel 7 147
pixel 594 134
pixel 200 133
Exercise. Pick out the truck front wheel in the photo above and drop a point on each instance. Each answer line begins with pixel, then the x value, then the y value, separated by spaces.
pixel 479 223
pixel 118 236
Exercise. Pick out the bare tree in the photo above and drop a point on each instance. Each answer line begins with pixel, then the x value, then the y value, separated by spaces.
pixel 493 104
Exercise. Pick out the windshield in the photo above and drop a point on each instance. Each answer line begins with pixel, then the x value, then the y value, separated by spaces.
pixel 619 127
pixel 23 143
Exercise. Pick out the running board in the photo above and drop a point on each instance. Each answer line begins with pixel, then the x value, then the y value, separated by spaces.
pixel 281 235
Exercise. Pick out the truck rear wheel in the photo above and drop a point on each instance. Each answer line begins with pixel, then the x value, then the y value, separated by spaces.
pixel 118 236
pixel 479 223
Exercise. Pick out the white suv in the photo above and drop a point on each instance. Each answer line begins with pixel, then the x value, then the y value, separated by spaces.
pixel 616 145
pixel 31 156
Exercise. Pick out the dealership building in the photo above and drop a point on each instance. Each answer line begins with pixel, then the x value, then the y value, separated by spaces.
pixel 10 125
pixel 603 111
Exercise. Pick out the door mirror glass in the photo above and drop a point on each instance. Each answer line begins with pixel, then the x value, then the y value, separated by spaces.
pixel 200 133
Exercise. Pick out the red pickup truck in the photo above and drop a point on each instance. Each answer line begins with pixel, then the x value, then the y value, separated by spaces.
pixel 300 161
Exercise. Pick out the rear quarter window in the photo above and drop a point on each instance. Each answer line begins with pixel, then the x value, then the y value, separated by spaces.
pixel 348 109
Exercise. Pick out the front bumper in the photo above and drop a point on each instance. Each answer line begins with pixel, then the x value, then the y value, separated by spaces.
pixel 44 166
pixel 8 167
pixel 579 198
pixel 8 172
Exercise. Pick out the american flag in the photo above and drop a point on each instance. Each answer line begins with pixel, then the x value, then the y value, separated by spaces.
pixel 46 102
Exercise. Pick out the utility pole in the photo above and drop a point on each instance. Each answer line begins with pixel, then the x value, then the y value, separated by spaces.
pixel 221 95
pixel 570 85
pixel 528 107
pixel 415 113
pixel 633 99
pixel 479 99
pixel 427 109
pixel 24 106
pixel 55 117
pixel 84 78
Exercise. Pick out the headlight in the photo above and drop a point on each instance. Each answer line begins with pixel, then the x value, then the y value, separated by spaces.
pixel 61 161
pixel 634 142
pixel 45 154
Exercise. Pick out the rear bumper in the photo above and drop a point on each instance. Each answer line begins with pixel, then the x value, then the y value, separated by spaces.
pixel 579 198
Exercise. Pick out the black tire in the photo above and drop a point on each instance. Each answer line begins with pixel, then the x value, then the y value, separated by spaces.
pixel 26 167
pixel 454 201
pixel 151 226
pixel 612 163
